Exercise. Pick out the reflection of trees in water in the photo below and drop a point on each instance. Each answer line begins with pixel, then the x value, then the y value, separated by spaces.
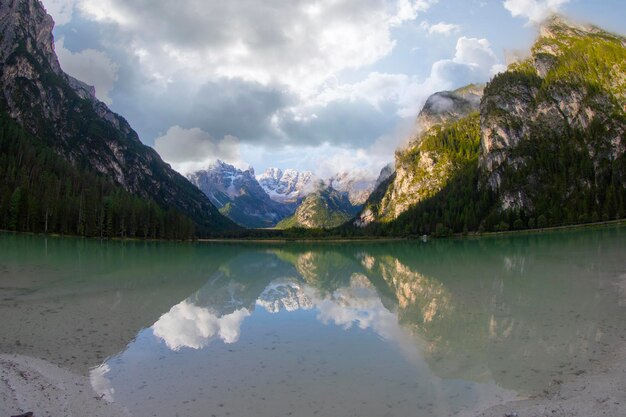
pixel 504 312
pixel 514 310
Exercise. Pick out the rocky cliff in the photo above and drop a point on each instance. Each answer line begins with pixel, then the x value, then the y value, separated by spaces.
pixel 572 87
pixel 545 145
pixel 64 113
pixel 424 167
pixel 288 186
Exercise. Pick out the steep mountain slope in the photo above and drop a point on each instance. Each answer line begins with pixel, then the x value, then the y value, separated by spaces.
pixel 567 100
pixel 427 164
pixel 325 208
pixel 65 115
pixel 43 193
pixel 546 148
pixel 238 195
pixel 289 186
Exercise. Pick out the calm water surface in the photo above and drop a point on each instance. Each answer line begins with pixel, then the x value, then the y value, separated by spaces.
pixel 361 329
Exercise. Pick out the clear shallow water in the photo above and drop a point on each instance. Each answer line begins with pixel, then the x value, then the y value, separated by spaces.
pixel 353 329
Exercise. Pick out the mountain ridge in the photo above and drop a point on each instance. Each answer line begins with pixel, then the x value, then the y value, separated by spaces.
pixel 273 197
pixel 422 169
pixel 323 209
pixel 239 196
pixel 288 186
pixel 544 147
pixel 63 112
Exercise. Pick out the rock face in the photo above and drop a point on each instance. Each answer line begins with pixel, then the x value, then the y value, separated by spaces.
pixel 239 196
pixel 421 170
pixel 574 83
pixel 325 208
pixel 289 186
pixel 550 135
pixel 445 106
pixel 64 113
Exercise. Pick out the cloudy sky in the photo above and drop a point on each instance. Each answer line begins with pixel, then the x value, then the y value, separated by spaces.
pixel 325 85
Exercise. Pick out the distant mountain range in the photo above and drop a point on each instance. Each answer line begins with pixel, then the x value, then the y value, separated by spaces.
pixel 289 186
pixel 282 198
pixel 239 196
pixel 542 144
pixel 325 208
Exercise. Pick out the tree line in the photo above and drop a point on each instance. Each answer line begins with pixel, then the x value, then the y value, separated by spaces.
pixel 43 193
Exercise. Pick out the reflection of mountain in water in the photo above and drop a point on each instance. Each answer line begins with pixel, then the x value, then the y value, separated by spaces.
pixel 507 317
pixel 284 295
pixel 503 309
pixel 87 299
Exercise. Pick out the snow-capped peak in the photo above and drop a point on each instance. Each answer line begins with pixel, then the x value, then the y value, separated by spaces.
pixel 287 186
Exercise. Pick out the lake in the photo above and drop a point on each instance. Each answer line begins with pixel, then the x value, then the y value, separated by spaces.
pixel 443 328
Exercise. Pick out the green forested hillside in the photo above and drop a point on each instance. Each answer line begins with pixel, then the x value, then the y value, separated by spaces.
pixel 41 192
pixel 459 206
pixel 66 119
pixel 323 209
pixel 547 150
pixel 564 185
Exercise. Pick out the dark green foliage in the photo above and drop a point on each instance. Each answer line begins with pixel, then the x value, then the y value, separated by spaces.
pixel 41 192
pixel 459 208
pixel 566 185
pixel 86 134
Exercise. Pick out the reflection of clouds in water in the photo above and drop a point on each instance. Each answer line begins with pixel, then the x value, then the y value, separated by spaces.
pixel 100 383
pixel 358 304
pixel 187 325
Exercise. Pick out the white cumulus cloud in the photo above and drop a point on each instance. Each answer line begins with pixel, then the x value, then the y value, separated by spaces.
pixel 62 11
pixel 299 43
pixel 474 62
pixel 534 10
pixel 441 28
pixel 90 66
pixel 188 150
pixel 263 81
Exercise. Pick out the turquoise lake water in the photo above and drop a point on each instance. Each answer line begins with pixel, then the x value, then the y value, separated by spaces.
pixel 444 328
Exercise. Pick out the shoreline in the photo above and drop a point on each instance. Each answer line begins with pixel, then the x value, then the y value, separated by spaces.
pixel 33 385
pixel 282 240
pixel 599 392
pixel 30 384
pixel 384 239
